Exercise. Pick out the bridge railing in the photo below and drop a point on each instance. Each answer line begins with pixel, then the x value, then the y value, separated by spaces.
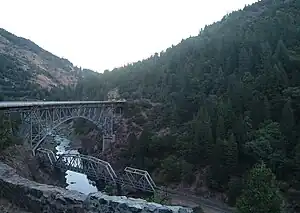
pixel 107 165
pixel 47 154
pixel 98 169
pixel 87 164
pixel 30 104
pixel 141 177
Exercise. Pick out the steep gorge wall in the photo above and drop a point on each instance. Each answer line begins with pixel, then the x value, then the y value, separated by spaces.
pixel 35 197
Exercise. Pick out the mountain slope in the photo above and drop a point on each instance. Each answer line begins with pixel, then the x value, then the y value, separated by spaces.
pixel 206 110
pixel 24 66
pixel 224 101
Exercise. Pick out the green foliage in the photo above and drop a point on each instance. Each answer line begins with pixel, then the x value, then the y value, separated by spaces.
pixel 158 198
pixel 172 168
pixel 261 193
pixel 229 96
pixel 231 155
pixel 266 140
pixel 220 128
pixel 287 123
pixel 235 187
pixel 108 189
pixel 6 137
pixel 200 149
pixel 198 209
pixel 82 126
pixel 269 145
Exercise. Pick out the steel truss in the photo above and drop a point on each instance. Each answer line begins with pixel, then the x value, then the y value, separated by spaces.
pixel 98 170
pixel 88 165
pixel 140 178
pixel 64 130
pixel 38 121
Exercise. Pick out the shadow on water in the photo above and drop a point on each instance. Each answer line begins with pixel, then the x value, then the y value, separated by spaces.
pixel 74 180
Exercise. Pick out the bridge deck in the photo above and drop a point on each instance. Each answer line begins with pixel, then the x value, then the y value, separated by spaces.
pixel 23 104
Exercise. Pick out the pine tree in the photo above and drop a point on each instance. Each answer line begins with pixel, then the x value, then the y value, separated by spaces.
pixel 217 175
pixel 133 149
pixel 143 144
pixel 220 128
pixel 229 115
pixel 244 61
pixel 5 136
pixel 267 109
pixel 297 162
pixel 240 130
pixel 203 138
pixel 281 75
pixel 287 121
pixel 235 187
pixel 281 52
pixel 261 195
pixel 231 154
pixel 266 56
pixel 257 113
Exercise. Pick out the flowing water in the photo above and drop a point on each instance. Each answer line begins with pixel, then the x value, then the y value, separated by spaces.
pixel 76 181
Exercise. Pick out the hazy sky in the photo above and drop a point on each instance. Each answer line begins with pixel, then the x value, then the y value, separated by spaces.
pixel 103 34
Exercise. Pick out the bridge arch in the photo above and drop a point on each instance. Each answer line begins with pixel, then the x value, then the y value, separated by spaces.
pixel 56 125
pixel 39 121
pixel 76 117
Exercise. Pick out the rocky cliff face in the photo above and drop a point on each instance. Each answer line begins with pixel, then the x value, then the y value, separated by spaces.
pixel 35 197
pixel 24 64
pixel 16 155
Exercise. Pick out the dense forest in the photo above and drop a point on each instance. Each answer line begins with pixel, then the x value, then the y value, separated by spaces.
pixel 230 98
pixel 228 102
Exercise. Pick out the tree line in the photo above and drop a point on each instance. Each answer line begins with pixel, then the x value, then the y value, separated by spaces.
pixel 230 98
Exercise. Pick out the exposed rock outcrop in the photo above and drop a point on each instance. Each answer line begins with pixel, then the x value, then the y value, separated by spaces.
pixel 36 197
pixel 23 63
pixel 16 155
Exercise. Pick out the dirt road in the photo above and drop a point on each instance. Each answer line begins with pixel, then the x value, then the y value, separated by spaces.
pixel 208 206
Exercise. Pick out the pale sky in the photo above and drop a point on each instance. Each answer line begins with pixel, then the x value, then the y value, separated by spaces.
pixel 103 34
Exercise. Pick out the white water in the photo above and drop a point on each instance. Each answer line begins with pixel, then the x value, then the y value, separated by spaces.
pixel 76 181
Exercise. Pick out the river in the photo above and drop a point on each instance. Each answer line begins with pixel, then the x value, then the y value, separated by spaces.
pixel 76 181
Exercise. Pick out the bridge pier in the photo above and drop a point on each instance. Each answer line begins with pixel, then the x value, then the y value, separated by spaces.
pixel 107 142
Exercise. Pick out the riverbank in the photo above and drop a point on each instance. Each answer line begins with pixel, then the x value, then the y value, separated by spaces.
pixel 16 155
pixel 8 207
pixel 38 198
pixel 20 158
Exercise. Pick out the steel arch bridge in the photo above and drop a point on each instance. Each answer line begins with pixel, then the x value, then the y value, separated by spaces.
pixel 39 119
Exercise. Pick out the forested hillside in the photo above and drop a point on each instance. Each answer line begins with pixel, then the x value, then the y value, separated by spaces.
pixel 226 99
pixel 212 108
pixel 29 72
